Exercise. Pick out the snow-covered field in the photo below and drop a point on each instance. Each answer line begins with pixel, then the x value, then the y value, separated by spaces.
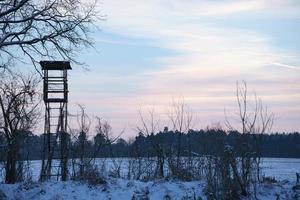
pixel 281 169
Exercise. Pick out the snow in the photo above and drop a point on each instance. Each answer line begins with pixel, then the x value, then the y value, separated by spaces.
pixel 279 168
pixel 282 169
pixel 114 189
pixel 117 189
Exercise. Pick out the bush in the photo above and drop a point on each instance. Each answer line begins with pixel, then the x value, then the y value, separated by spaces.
pixel 269 180
pixel 91 175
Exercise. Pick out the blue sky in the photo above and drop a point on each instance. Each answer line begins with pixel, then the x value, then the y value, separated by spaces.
pixel 151 51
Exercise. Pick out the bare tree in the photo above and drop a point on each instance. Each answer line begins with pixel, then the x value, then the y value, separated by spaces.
pixel 85 167
pixel 19 112
pixel 149 126
pixel 44 28
pixel 104 139
pixel 181 118
pixel 103 134
pixel 254 119
pixel 180 115
pixel 104 129
pixel 84 123
pixel 253 116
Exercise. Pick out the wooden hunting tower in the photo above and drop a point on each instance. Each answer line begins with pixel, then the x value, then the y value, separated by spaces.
pixel 55 81
pixel 55 92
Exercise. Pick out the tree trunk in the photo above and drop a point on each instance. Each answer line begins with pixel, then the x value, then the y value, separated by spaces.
pixel 160 167
pixel 11 161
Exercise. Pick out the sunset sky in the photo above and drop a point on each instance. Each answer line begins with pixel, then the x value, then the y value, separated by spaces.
pixel 151 51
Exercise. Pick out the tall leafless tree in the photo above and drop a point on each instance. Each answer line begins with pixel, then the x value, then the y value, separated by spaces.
pixel 104 130
pixel 84 123
pixel 253 119
pixel 104 139
pixel 18 113
pixel 252 116
pixel 181 118
pixel 180 115
pixel 85 167
pixel 44 28
pixel 149 126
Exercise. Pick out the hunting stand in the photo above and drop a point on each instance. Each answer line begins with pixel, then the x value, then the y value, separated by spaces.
pixel 55 138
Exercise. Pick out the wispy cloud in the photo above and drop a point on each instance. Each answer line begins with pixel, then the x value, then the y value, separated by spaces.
pixel 287 66
pixel 209 56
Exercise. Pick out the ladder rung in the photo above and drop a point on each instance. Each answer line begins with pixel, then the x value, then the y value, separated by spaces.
pixel 56 91
pixel 55 100
pixel 55 83
pixel 54 77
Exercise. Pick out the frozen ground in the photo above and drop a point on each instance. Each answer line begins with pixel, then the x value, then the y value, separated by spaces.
pixel 121 189
pixel 117 189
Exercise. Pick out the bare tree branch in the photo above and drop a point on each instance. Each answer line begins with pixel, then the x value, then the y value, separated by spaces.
pixel 45 28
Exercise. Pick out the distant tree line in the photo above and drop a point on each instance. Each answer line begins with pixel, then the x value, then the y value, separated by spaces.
pixel 196 143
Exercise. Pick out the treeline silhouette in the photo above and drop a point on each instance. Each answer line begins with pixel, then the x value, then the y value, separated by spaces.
pixel 196 143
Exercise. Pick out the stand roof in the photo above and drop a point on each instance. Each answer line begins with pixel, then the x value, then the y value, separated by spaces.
pixel 55 65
